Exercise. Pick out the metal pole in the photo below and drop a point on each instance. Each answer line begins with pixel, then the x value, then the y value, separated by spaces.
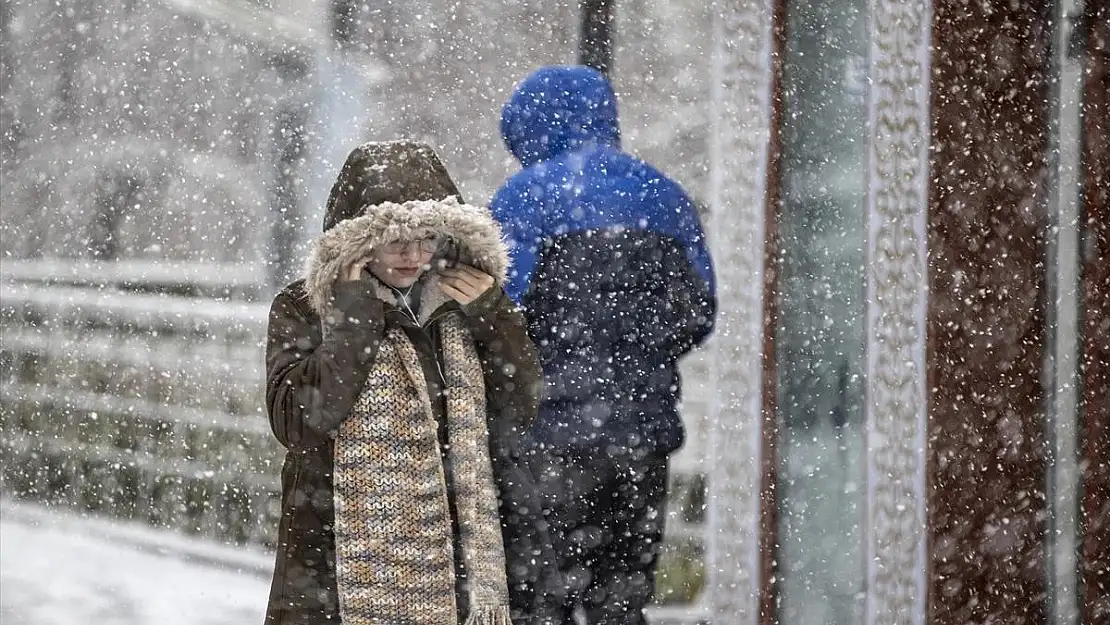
pixel 287 219
pixel 289 142
pixel 595 45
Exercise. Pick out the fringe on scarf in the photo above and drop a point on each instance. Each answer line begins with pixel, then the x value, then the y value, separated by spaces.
pixel 488 615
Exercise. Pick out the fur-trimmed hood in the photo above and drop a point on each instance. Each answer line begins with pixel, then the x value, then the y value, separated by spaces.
pixel 399 190
pixel 471 229
pixel 378 172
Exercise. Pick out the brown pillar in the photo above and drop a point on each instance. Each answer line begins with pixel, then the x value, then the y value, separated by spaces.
pixel 986 320
pixel 769 499
pixel 1094 557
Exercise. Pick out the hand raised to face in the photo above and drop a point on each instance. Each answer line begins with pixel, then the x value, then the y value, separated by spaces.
pixel 464 283
pixel 353 271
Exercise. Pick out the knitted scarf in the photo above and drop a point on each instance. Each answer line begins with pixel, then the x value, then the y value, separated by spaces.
pixel 393 530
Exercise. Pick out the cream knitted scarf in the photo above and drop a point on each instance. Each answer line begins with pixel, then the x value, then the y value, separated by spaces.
pixel 393 529
pixel 393 533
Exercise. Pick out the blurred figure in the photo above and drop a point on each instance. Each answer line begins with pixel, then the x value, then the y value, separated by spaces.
pixel 611 267
pixel 400 377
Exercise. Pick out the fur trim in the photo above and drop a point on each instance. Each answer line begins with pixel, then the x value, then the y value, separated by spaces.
pixel 471 228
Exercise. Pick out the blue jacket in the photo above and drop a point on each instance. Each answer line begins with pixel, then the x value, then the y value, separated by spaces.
pixel 609 262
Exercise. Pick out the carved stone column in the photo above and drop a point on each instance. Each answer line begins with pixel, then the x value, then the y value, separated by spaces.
pixel 897 290
pixel 740 151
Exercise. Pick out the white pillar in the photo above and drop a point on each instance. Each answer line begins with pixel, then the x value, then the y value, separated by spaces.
pixel 897 292
pixel 740 142
pixel 1061 571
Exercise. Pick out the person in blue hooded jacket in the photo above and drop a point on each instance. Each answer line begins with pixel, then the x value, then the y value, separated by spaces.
pixel 610 265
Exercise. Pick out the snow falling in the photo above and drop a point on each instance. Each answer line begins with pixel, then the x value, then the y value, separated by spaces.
pixel 856 252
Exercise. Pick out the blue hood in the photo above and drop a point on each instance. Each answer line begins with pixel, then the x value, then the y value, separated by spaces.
pixel 558 109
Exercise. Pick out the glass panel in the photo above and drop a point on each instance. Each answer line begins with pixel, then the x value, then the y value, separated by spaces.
pixel 820 330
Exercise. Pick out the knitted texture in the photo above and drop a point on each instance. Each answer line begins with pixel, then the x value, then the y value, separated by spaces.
pixel 393 531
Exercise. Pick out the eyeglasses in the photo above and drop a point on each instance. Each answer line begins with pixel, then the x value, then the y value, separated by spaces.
pixel 427 245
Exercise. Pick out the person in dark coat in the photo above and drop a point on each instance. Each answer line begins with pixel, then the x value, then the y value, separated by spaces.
pixel 611 266
pixel 400 378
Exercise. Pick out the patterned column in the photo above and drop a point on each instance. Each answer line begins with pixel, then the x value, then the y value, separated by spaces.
pixel 740 143
pixel 897 287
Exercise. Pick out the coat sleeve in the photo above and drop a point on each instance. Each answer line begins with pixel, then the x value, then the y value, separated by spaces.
pixel 312 381
pixel 514 379
pixel 520 214
pixel 669 322
pixel 683 315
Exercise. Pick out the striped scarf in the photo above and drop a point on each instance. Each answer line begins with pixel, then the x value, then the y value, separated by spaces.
pixel 393 533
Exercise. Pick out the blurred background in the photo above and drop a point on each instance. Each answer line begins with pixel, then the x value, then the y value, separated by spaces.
pixel 163 164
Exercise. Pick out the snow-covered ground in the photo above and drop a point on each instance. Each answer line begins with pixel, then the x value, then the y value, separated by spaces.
pixel 60 569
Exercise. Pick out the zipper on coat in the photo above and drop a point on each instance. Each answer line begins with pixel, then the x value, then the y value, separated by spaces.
pixel 435 348
pixel 423 327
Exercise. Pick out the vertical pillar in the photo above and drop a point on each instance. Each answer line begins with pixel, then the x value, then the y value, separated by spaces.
pixel 897 289
pixel 1063 318
pixel 1094 521
pixel 987 228
pixel 289 142
pixel 595 44
pixel 740 154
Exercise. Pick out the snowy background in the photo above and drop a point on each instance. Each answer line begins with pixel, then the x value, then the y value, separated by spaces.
pixel 163 161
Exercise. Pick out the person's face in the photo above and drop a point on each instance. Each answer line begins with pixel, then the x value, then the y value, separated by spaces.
pixel 401 263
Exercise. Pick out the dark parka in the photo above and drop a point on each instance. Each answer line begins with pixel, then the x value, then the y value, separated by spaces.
pixel 312 383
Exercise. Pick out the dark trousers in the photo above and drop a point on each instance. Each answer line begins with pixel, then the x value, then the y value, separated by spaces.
pixel 606 518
